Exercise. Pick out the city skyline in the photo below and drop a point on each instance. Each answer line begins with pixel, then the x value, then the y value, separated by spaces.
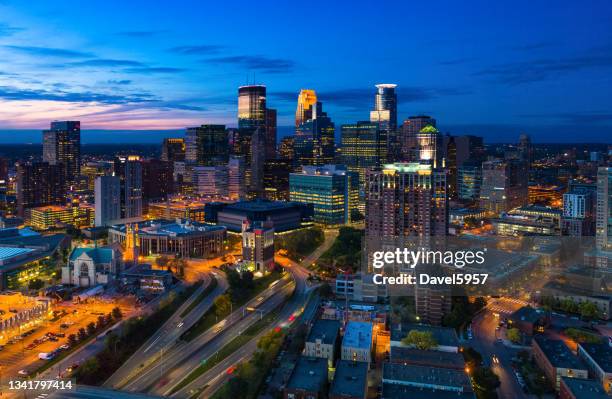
pixel 481 73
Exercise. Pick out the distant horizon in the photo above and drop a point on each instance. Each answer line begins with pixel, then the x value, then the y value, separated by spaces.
pixel 504 135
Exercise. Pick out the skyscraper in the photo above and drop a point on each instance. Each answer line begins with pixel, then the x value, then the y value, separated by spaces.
pixel 157 179
pixel 236 180
pixel 270 133
pixel 408 136
pixel 129 171
pixel 385 114
pixel 251 106
pixel 258 157
pixel 286 148
pixel 39 184
pixel 107 194
pixel 314 138
pixel 276 179
pixel 406 200
pixel 364 146
pixel 504 185
pixel 173 149
pixel 469 179
pixel 207 145
pixel 306 101
pixel 603 228
pixel 62 146
pixel 211 181
pixel 469 148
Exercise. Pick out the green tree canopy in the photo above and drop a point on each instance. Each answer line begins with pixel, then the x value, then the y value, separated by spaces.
pixel 420 339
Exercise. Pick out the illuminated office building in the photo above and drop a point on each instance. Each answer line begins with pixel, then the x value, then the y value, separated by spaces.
pixel 49 216
pixel 173 150
pixel 276 179
pixel 211 181
pixel 236 186
pixel 364 146
pixel 408 136
pixel 39 184
pixel 206 145
pixel 286 148
pixel 108 199
pixel 157 179
pixel 331 189
pixel 62 146
pixel 314 139
pixel 270 133
pixel 385 115
pixel 469 179
pixel 251 106
pixel 306 101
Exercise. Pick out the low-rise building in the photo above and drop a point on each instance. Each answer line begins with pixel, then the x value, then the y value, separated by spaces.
pixel 350 380
pixel 528 320
pixel 88 267
pixel 598 358
pixel 322 340
pixel 421 377
pixel 445 337
pixel 427 358
pixel 556 360
pixel 47 217
pixel 178 209
pixel 578 388
pixel 308 379
pixel 148 279
pixel 357 342
pixel 284 215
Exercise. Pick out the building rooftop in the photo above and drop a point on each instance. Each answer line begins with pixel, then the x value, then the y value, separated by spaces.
pixel 7 253
pixel 396 391
pixel 600 353
pixel 358 334
pixel 402 354
pixel 526 313
pixel 98 255
pixel 259 205
pixel 558 354
pixel 350 379
pixel 324 330
pixel 585 389
pixel 171 228
pixel 444 336
pixel 309 374
pixel 418 375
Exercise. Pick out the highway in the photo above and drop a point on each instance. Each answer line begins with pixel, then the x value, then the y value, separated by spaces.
pixel 175 363
pixel 87 392
pixel 169 333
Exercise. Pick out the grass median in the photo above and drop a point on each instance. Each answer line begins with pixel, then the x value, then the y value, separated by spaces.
pixel 213 284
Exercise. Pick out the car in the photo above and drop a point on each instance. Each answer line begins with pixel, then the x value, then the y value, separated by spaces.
pixel 60 335
pixel 64 347
pixel 23 372
pixel 53 339
pixel 495 359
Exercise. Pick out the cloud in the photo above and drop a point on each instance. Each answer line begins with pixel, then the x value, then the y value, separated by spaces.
pixel 197 50
pixel 7 30
pixel 17 94
pixel 142 33
pixel 152 70
pixel 49 52
pixel 256 62
pixel 538 70
pixel 106 63
pixel 121 82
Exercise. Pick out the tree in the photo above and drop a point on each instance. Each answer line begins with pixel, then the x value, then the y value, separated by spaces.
pixel 485 382
pixel 237 388
pixel 473 359
pixel 72 339
pixel 588 310
pixel 82 334
pixel 101 322
pixel 91 328
pixel 117 314
pixel 222 305
pixel 162 261
pixel 420 339
pixel 514 335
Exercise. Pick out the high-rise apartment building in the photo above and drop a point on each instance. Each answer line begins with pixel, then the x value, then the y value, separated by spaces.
pixel 62 146
pixel 406 200
pixel 276 179
pixel 578 213
pixel 129 171
pixel 207 145
pixel 39 184
pixel 504 185
pixel 603 228
pixel 364 146
pixel 107 195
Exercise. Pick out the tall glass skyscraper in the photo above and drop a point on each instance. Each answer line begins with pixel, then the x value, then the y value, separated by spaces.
pixel 364 145
pixel 251 106
pixel 385 106
pixel 306 102
pixel 62 146
pixel 207 145
pixel 314 138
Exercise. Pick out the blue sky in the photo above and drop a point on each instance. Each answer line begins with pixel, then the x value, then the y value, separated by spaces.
pixel 478 67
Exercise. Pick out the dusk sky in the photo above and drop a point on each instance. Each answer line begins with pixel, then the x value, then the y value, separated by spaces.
pixel 490 68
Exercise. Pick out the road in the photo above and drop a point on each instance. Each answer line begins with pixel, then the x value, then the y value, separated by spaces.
pixel 86 392
pixel 175 363
pixel 169 333
pixel 214 379
pixel 485 342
